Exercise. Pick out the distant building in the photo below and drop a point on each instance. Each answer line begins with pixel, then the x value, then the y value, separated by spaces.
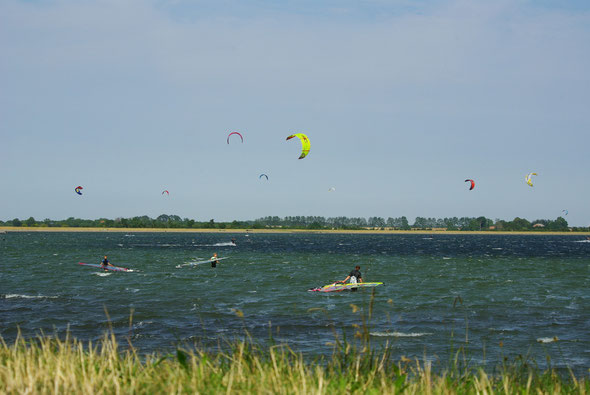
pixel 538 226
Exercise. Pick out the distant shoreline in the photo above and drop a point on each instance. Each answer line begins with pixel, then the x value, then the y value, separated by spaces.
pixel 10 229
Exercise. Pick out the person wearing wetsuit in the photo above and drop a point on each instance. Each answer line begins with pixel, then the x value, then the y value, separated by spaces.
pixel 214 260
pixel 105 262
pixel 355 276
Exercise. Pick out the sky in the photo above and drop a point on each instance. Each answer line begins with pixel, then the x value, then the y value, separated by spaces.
pixel 401 100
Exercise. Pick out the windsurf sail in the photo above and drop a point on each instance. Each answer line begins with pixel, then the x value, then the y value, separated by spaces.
pixel 111 268
pixel 200 262
pixel 337 287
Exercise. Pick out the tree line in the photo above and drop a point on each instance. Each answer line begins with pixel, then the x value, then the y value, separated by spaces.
pixel 308 222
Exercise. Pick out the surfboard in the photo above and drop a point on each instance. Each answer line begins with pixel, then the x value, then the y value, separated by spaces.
pixel 337 287
pixel 111 268
pixel 200 262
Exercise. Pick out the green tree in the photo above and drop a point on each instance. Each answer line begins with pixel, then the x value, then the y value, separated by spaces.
pixel 16 222
pixel 315 225
pixel 405 224
pixel 559 225
pixel 31 221
pixel 518 224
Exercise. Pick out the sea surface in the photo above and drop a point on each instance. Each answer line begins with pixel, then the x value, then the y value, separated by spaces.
pixel 497 296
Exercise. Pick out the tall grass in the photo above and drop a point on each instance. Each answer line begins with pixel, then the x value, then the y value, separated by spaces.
pixel 52 365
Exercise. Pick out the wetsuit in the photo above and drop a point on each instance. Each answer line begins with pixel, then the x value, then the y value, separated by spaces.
pixel 104 263
pixel 355 277
pixel 356 274
pixel 213 262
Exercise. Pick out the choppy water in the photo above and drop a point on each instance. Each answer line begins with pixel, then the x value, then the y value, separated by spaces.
pixel 519 290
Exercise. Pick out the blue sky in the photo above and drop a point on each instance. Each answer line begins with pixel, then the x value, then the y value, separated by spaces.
pixel 402 101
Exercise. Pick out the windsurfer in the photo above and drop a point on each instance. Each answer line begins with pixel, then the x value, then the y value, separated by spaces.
pixel 214 260
pixel 105 262
pixel 355 276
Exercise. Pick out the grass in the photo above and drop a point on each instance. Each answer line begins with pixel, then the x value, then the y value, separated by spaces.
pixel 51 365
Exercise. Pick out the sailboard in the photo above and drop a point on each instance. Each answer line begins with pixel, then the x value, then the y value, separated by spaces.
pixel 111 268
pixel 200 262
pixel 337 287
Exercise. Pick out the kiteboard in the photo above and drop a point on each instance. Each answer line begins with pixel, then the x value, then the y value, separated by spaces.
pixel 111 268
pixel 201 262
pixel 337 287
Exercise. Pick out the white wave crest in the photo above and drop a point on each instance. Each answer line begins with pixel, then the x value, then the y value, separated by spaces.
pixel 226 244
pixel 11 296
pixel 547 339
pixel 400 334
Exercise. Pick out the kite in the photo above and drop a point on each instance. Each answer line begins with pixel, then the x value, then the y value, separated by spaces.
pixel 263 175
pixel 332 189
pixel 234 133
pixel 78 190
pixel 304 143
pixel 472 183
pixel 165 191
pixel 528 178
pixel 564 211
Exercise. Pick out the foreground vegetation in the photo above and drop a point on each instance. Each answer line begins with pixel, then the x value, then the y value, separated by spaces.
pixel 307 222
pixel 51 365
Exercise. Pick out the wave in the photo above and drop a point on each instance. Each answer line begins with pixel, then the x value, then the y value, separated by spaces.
pixel 156 245
pixel 400 334
pixel 18 296
pixel 547 339
pixel 226 244
pixel 581 241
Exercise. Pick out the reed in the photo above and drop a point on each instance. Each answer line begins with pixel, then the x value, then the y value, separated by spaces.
pixel 48 364
pixel 52 365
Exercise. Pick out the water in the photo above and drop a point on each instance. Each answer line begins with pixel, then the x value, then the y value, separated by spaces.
pixel 521 291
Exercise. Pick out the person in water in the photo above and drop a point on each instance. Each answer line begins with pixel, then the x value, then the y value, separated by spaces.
pixel 214 260
pixel 105 262
pixel 355 276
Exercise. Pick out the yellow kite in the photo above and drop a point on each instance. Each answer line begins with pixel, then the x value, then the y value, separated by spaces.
pixel 304 143
pixel 528 178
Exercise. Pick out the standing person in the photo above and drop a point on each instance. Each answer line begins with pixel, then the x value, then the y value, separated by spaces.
pixel 355 276
pixel 105 262
pixel 214 260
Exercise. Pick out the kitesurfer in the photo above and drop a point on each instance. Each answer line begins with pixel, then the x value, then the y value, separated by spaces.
pixel 105 262
pixel 233 241
pixel 214 260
